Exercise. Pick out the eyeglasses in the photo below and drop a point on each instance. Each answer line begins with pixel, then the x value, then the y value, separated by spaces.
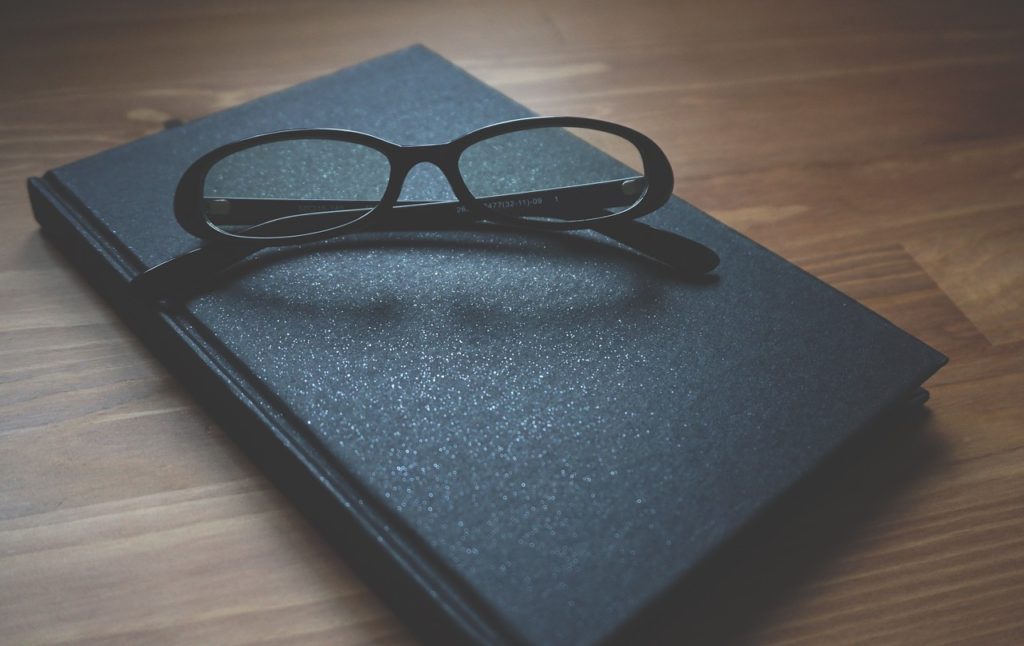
pixel 298 186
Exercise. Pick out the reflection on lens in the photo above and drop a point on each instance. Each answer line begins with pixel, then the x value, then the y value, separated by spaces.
pixel 294 187
pixel 555 173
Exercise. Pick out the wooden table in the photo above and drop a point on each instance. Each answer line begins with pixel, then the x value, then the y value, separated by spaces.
pixel 878 145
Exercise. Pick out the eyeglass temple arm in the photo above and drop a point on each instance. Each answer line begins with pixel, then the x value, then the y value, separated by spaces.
pixel 234 211
pixel 179 274
pixel 570 202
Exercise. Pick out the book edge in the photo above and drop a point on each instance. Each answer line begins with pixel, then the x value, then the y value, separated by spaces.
pixel 95 237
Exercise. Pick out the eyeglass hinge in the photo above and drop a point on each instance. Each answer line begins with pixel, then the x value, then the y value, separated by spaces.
pixel 633 186
pixel 218 207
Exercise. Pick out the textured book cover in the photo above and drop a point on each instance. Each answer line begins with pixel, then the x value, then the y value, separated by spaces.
pixel 544 433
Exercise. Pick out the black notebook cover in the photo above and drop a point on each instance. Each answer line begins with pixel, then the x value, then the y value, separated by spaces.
pixel 544 432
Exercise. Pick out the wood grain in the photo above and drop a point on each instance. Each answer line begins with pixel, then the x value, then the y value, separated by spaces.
pixel 879 145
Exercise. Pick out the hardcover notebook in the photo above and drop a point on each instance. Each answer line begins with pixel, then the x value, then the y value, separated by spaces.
pixel 542 433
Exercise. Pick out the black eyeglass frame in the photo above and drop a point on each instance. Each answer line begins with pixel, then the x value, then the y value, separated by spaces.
pixel 223 248
pixel 191 212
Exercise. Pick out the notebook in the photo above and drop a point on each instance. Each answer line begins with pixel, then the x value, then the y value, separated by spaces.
pixel 536 436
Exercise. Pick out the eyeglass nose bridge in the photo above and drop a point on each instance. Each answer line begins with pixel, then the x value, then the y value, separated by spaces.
pixel 440 156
